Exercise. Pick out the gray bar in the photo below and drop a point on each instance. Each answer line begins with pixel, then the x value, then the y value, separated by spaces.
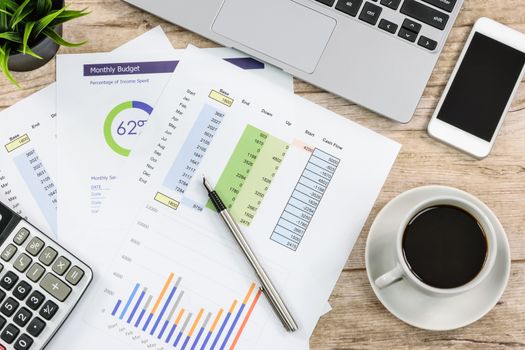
pixel 175 306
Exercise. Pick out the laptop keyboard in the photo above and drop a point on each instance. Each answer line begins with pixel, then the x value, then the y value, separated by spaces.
pixel 417 16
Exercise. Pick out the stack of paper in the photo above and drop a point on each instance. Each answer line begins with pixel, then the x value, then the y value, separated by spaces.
pixel 137 129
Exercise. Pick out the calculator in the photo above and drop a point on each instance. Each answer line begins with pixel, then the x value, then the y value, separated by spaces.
pixel 40 284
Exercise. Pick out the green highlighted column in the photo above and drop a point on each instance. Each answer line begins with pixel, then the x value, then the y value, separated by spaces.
pixel 249 173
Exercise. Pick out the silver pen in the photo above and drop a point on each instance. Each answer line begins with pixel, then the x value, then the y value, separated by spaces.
pixel 267 286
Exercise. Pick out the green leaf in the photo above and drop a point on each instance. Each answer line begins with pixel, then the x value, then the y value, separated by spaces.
pixel 4 64
pixel 3 17
pixel 11 36
pixel 67 16
pixel 45 21
pixel 51 34
pixel 43 7
pixel 19 14
pixel 30 53
pixel 27 32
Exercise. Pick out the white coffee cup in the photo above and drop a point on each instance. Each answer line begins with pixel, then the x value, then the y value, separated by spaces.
pixel 401 270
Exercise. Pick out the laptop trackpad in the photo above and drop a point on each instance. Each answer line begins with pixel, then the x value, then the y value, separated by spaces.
pixel 282 29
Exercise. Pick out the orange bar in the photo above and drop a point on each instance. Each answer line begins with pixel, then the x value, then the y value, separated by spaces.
pixel 239 332
pixel 233 307
pixel 252 287
pixel 179 317
pixel 159 299
pixel 216 320
pixel 195 323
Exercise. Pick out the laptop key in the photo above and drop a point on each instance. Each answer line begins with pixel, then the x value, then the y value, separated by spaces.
pixel 393 4
pixel 327 2
pixel 427 43
pixel 447 5
pixel 370 13
pixel 350 7
pixel 411 25
pixel 407 35
pixel 388 26
pixel 425 14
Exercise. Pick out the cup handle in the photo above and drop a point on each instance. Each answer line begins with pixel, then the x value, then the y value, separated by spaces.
pixel 389 278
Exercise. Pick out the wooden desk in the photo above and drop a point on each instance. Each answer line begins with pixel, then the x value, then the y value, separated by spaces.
pixel 358 320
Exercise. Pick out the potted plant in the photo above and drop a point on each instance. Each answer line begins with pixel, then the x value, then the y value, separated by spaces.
pixel 31 33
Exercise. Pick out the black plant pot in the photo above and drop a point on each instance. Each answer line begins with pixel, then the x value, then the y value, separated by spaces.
pixel 45 48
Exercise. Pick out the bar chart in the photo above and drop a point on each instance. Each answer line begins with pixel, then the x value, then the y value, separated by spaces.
pixel 249 173
pixel 164 317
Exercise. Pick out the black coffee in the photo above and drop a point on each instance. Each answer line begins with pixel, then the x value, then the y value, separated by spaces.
pixel 445 246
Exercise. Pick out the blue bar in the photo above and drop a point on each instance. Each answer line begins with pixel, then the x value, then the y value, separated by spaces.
pixel 232 326
pixel 163 329
pixel 197 339
pixel 171 333
pixel 185 342
pixel 147 322
pixel 178 339
pixel 136 306
pixel 140 317
pixel 206 340
pixel 163 310
pixel 220 330
pixel 116 307
pixel 129 301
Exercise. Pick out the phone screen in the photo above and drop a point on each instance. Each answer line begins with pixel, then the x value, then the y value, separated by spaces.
pixel 482 87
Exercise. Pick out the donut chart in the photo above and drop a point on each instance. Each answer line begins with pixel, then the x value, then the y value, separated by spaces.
pixel 112 115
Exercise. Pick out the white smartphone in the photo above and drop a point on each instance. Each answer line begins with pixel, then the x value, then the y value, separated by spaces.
pixel 481 89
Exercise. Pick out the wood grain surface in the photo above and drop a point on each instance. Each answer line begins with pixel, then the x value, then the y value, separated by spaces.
pixel 358 320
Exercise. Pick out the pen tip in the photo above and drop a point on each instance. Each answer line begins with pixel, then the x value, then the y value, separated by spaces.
pixel 206 184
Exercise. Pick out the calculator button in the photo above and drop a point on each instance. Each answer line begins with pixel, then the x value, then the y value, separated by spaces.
pixel 2 322
pixel 9 334
pixel 35 327
pixel 48 256
pixel 35 300
pixel 8 252
pixel 35 246
pixel 35 272
pixel 48 310
pixel 74 275
pixel 9 307
pixel 23 262
pixel 61 265
pixel 22 316
pixel 22 290
pixel 2 296
pixel 24 342
pixel 8 281
pixel 54 286
pixel 21 236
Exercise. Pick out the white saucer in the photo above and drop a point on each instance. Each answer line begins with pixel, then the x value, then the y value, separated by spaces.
pixel 408 303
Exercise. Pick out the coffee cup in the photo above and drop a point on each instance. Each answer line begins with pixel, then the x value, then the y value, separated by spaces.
pixel 435 275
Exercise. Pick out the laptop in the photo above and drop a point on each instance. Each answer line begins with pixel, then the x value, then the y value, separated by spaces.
pixel 376 53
